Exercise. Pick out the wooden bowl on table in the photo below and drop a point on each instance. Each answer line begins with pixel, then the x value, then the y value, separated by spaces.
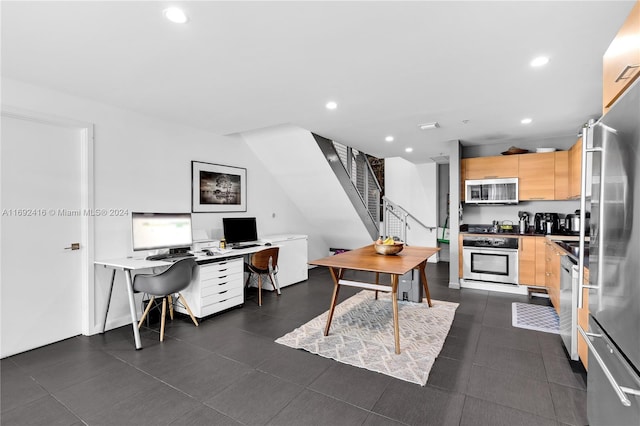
pixel 389 249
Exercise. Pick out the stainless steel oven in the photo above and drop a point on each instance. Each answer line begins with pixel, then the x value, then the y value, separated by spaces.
pixel 491 259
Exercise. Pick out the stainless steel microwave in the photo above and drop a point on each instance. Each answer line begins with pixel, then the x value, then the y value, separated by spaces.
pixel 491 191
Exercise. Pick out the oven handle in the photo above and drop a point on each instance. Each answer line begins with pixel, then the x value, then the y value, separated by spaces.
pixel 489 249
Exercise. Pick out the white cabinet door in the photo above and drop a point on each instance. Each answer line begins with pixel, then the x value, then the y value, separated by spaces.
pixel 292 259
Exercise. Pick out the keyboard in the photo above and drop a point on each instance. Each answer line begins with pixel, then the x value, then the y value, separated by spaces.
pixel 245 246
pixel 167 256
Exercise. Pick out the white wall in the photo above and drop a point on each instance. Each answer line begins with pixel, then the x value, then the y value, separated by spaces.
pixel 144 164
pixel 414 187
pixel 294 159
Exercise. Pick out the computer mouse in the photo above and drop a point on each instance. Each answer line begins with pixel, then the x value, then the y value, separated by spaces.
pixel 208 252
pixel 267 244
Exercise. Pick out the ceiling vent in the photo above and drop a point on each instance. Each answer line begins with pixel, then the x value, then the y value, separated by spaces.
pixel 428 126
pixel 443 159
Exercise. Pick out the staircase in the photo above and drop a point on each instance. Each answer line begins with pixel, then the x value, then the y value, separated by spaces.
pixel 294 158
pixel 358 180
pixel 335 188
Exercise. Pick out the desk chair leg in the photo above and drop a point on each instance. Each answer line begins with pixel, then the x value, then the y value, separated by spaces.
pixel 170 306
pixel 274 283
pixel 146 311
pixel 164 312
pixel 259 289
pixel 186 306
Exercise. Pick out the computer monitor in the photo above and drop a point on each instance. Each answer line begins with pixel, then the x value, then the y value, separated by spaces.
pixel 152 231
pixel 239 229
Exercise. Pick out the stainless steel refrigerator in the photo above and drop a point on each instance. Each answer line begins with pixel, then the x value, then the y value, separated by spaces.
pixel 613 378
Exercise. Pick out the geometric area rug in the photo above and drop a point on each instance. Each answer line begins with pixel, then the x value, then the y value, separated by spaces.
pixel 361 335
pixel 535 317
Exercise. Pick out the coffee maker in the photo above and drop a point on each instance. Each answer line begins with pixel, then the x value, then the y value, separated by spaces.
pixel 539 223
pixel 551 223
pixel 524 222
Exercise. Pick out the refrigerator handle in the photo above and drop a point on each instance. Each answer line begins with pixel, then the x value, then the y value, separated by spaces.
pixel 588 148
pixel 619 390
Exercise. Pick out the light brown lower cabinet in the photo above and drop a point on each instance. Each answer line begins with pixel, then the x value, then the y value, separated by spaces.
pixel 531 261
pixel 552 273
pixel 527 261
pixel 583 321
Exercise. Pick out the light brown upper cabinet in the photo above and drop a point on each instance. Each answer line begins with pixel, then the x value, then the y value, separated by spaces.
pixel 575 168
pixel 562 175
pixel 537 176
pixel 621 61
pixel 502 166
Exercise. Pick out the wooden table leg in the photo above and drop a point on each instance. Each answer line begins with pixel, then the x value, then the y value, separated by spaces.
pixel 394 301
pixel 377 282
pixel 423 278
pixel 336 288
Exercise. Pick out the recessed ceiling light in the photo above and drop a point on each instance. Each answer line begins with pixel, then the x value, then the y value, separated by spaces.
pixel 389 139
pixel 526 121
pixel 540 61
pixel 408 149
pixel 331 105
pixel 428 126
pixel 175 14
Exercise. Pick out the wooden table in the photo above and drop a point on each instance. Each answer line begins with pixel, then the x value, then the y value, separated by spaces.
pixel 366 259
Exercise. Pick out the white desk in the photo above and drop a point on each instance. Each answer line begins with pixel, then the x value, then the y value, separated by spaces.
pixel 129 264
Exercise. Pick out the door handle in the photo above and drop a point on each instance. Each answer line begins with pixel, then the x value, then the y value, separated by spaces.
pixel 73 246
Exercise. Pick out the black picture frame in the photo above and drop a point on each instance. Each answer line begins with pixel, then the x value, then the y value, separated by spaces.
pixel 218 188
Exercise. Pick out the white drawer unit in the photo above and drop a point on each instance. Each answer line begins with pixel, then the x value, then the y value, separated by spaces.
pixel 215 287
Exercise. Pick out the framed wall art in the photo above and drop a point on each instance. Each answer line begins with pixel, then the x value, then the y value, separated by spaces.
pixel 218 188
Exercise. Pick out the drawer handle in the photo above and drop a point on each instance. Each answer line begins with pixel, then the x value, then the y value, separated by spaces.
pixel 624 71
pixel 223 276
pixel 619 390
pixel 223 292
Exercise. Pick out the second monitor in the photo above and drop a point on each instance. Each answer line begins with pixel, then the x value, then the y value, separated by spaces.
pixel 239 230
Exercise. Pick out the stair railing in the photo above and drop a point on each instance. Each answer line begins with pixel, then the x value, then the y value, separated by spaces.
pixel 395 223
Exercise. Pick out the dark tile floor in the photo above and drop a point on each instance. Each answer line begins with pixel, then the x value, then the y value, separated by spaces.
pixel 229 371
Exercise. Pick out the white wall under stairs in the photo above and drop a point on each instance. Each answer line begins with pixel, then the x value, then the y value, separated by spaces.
pixel 293 157
pixel 414 187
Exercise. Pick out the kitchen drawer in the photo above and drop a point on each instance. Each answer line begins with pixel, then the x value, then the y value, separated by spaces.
pixel 221 306
pixel 215 301
pixel 233 282
pixel 221 296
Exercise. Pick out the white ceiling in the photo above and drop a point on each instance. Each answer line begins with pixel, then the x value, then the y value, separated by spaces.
pixel 390 65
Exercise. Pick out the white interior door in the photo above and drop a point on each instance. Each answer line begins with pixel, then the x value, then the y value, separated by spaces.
pixel 41 277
